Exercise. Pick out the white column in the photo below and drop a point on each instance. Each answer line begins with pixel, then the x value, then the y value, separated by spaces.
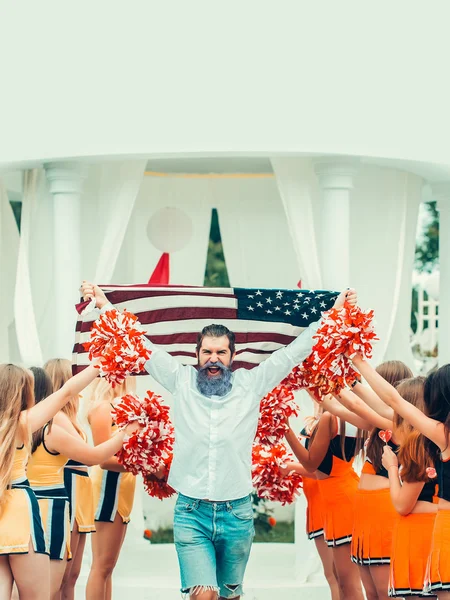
pixel 66 182
pixel 441 192
pixel 335 176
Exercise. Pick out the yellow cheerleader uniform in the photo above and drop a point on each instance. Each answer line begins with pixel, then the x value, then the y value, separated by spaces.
pixel 79 489
pixel 20 517
pixel 46 475
pixel 113 493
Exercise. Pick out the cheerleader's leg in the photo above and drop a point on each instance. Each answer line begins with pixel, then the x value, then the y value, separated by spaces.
pixel 6 578
pixel 326 557
pixel 31 573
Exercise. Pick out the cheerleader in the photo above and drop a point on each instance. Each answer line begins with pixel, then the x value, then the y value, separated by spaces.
pixel 413 499
pixel 371 544
pixel 77 482
pixel 331 450
pixel 434 424
pixel 51 448
pixel 113 492
pixel 23 551
pixel 314 509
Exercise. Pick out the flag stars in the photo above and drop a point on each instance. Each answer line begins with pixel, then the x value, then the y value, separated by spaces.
pixel 277 307
pixel 269 300
pixel 304 315
pixel 251 308
pixel 323 305
pixel 259 304
pixel 269 312
pixel 313 310
pixel 258 293
pixel 287 312
pixel 250 296
pixel 296 307
pixel 279 295
pixel 300 295
pixel 286 304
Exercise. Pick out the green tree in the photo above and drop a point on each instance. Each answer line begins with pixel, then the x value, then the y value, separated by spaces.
pixel 216 274
pixel 427 250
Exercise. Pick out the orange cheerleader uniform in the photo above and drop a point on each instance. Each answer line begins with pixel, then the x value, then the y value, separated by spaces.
pixel 314 510
pixel 411 545
pixel 338 489
pixel 375 516
pixel 438 568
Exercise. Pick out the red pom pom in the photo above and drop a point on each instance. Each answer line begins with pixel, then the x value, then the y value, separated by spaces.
pixel 118 342
pixel 327 370
pixel 148 450
pixel 267 478
pixel 275 408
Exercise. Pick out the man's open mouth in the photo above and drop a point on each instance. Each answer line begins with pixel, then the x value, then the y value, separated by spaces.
pixel 213 370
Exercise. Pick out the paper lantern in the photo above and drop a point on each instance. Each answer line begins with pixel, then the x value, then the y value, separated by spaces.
pixel 169 229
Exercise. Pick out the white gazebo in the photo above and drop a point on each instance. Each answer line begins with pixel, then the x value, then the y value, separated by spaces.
pixel 309 128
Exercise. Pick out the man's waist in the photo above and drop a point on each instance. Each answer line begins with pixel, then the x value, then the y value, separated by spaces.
pixel 217 503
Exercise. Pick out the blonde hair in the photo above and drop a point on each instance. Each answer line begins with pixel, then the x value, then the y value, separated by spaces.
pixel 16 395
pixel 101 391
pixel 60 371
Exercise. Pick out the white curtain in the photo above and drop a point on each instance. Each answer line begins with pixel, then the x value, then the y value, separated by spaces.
pixel 256 242
pixel 296 182
pixel 384 209
pixel 9 247
pixel 117 195
pixel 26 326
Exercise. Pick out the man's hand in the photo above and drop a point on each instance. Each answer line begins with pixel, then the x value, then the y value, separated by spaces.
pixel 89 291
pixel 349 295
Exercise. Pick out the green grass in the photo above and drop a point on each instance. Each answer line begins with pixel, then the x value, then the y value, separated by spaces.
pixel 282 533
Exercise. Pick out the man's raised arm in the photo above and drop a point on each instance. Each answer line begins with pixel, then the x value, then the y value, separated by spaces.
pixel 161 365
pixel 267 375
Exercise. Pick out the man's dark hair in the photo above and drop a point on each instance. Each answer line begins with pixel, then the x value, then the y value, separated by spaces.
pixel 217 331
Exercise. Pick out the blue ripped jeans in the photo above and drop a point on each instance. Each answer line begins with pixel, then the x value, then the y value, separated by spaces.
pixel 213 542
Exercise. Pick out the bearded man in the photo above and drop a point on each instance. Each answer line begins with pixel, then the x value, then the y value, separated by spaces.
pixel 215 416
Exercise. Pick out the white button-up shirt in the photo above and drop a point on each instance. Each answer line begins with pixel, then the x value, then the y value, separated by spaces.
pixel 213 436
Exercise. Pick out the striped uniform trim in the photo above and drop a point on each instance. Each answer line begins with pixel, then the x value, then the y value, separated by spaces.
pixel 36 528
pixel 339 541
pixel 109 497
pixel 399 593
pixel 315 534
pixel 57 524
pixel 438 586
pixel 71 489
pixel 386 560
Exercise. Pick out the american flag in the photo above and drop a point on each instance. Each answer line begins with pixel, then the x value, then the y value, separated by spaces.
pixel 263 320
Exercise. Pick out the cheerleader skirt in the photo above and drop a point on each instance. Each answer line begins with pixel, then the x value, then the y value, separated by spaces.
pixel 338 501
pixel 54 507
pixel 372 531
pixel 438 568
pixel 411 544
pixel 314 510
pixel 79 489
pixel 20 521
pixel 113 493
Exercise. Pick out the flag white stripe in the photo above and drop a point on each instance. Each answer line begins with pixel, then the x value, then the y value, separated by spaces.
pixel 187 290
pixel 196 325
pixel 138 305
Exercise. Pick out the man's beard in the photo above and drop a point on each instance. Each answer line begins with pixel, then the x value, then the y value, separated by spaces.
pixel 218 385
